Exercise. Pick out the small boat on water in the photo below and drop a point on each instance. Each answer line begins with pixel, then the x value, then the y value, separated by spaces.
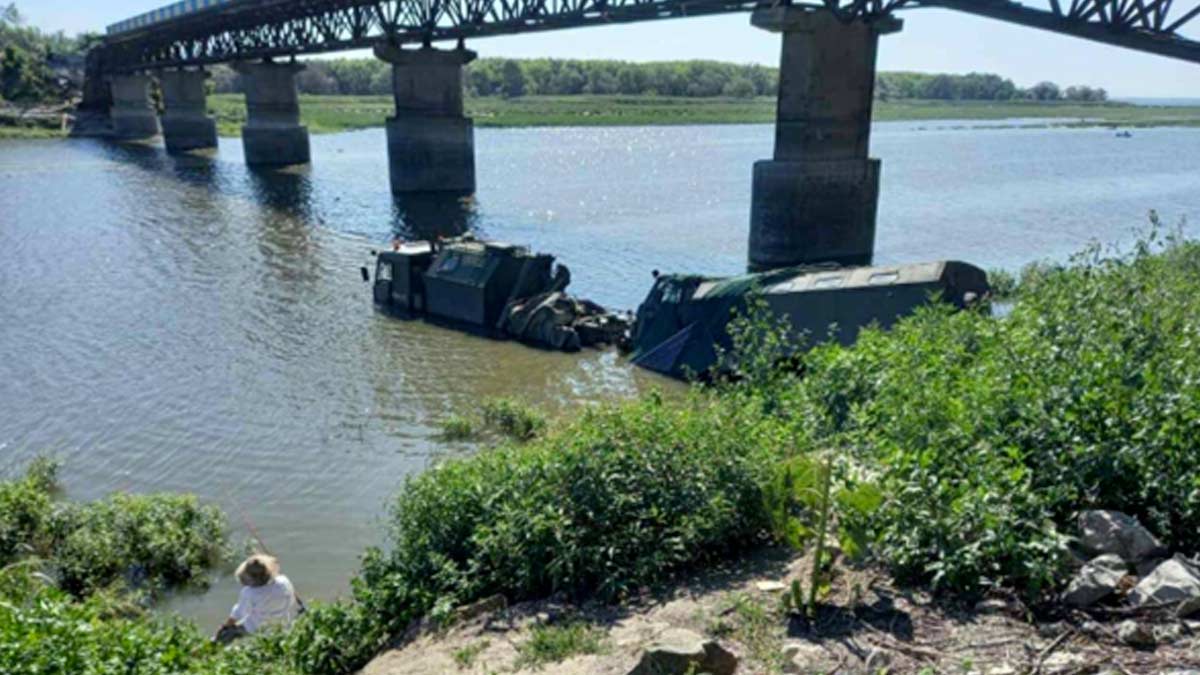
pixel 492 288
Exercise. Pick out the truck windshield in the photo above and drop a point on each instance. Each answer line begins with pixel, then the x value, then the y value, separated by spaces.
pixel 383 271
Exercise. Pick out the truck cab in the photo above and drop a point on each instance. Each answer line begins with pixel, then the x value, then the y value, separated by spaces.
pixel 400 277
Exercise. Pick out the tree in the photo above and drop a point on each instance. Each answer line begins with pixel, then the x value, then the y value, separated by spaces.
pixel 512 80
pixel 22 79
pixel 739 87
pixel 1045 91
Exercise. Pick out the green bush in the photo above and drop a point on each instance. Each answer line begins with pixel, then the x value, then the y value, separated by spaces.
pixel 513 419
pixel 26 506
pixel 45 631
pixel 989 436
pixel 149 542
pixel 619 499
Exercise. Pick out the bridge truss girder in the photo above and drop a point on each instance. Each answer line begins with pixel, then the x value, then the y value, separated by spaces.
pixel 281 28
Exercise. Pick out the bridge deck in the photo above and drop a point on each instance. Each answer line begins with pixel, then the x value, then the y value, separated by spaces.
pixel 218 31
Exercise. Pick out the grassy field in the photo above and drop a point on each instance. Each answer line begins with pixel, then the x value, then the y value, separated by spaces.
pixel 324 114
pixel 330 114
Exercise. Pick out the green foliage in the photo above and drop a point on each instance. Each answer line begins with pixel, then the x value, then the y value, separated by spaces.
pixel 23 78
pixel 1003 283
pixel 465 656
pixel 513 418
pixel 46 631
pixel 25 511
pixel 148 542
pixel 621 498
pixel 553 643
pixel 458 428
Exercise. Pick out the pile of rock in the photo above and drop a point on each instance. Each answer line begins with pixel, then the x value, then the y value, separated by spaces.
pixel 1128 564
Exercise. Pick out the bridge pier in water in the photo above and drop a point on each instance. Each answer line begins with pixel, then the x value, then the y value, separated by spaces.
pixel 186 125
pixel 431 142
pixel 133 115
pixel 816 200
pixel 273 135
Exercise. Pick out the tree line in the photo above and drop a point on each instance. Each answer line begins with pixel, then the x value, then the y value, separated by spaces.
pixel 513 78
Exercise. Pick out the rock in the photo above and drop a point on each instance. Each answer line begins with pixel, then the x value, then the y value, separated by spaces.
pixel 494 603
pixel 802 657
pixel 1167 633
pixel 992 606
pixel 770 586
pixel 1135 634
pixel 678 651
pixel 1115 532
pixel 1096 580
pixel 1002 669
pixel 1050 631
pixel 1174 580
pixel 1187 608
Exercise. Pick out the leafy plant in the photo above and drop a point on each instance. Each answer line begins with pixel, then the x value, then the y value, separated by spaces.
pixel 513 418
pixel 553 643
pixel 466 655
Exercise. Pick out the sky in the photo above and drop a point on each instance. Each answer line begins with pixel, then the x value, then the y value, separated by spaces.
pixel 932 40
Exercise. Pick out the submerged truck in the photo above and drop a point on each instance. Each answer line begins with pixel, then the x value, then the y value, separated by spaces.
pixel 492 288
pixel 682 326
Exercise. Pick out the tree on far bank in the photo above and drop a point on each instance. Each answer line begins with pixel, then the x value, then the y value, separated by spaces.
pixel 1045 91
pixel 512 80
pixel 22 78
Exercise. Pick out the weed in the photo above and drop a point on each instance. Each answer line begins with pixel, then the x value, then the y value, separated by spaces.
pixel 553 643
pixel 458 428
pixel 465 656
pixel 513 419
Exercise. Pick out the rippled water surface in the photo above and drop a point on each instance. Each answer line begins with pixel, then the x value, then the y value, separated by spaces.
pixel 186 324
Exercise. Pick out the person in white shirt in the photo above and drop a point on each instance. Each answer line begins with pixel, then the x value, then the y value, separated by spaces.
pixel 267 599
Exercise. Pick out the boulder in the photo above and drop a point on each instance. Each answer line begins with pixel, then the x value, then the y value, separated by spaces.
pixel 678 652
pixel 1096 580
pixel 1188 608
pixel 1135 634
pixel 1174 580
pixel 802 657
pixel 1168 633
pixel 1115 532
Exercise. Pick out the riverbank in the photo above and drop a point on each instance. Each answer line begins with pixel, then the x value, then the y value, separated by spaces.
pixel 333 114
pixel 329 114
pixel 951 456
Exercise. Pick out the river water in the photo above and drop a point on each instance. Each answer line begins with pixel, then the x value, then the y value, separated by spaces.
pixel 190 325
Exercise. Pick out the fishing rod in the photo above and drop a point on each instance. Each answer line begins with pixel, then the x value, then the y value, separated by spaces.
pixel 261 542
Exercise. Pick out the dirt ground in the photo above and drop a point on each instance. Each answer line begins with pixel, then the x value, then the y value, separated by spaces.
pixel 865 625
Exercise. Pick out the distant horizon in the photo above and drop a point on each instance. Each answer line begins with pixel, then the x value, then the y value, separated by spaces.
pixel 932 41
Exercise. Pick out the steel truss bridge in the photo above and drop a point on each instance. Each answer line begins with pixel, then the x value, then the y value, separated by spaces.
pixel 257 29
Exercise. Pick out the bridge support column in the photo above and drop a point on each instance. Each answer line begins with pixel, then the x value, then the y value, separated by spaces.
pixel 133 115
pixel 185 123
pixel 273 135
pixel 815 201
pixel 431 143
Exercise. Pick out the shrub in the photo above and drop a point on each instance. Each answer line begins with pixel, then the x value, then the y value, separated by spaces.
pixel 45 631
pixel 146 541
pixel 26 507
pixel 513 419
pixel 990 435
pixel 619 499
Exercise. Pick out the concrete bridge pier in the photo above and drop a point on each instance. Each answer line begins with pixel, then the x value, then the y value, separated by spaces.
pixel 133 115
pixel 185 122
pixel 815 201
pixel 431 143
pixel 273 135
